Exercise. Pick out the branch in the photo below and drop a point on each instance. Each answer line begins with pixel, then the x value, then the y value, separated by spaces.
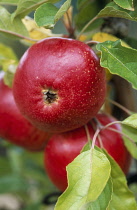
pixel 18 35
pixel 120 106
pixel 95 137
pixel 88 135
pixel 123 134
pixel 86 26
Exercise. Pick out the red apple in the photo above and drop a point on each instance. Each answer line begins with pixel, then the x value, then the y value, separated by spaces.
pixel 14 127
pixel 63 148
pixel 59 84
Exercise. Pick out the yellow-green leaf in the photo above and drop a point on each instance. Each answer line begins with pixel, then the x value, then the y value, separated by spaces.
pixel 87 177
pixel 122 197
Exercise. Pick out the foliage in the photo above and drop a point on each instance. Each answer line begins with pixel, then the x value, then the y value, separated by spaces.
pixel 22 174
pixel 53 14
pixel 113 58
pixel 85 186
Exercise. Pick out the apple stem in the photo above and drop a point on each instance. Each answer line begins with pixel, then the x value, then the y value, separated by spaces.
pixel 88 135
pixel 100 126
pixel 69 21
pixel 100 142
pixel 69 28
pixel 120 106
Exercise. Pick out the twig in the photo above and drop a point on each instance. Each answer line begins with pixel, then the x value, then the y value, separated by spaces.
pixel 18 35
pixel 120 106
pixel 100 126
pixel 69 26
pixel 86 26
pixel 88 135
pixel 95 137
pixel 100 141
pixel 123 134
pixel 112 123
pixel 69 21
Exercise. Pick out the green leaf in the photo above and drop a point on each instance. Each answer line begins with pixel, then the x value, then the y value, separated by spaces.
pixel 6 53
pixel 48 14
pixel 87 177
pixel 119 60
pixel 13 28
pixel 87 147
pixel 103 200
pixel 63 9
pixel 26 6
pixel 133 188
pixel 131 143
pixel 9 2
pixel 44 15
pixel 113 10
pixel 8 62
pixel 86 11
pixel 9 75
pixel 127 4
pixel 131 121
pixel 122 197
pixel 81 3
pixel 129 128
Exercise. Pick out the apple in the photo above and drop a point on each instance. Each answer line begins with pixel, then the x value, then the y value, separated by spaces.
pixel 63 148
pixel 14 127
pixel 59 84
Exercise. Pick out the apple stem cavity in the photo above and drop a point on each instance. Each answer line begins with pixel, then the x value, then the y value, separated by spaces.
pixel 49 96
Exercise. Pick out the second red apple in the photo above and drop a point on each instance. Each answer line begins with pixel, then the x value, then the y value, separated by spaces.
pixel 63 148
pixel 14 127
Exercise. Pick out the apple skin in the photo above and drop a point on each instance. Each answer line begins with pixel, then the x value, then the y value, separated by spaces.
pixel 59 84
pixel 14 127
pixel 63 148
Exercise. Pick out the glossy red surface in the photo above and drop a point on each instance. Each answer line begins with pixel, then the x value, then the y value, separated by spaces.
pixel 69 68
pixel 14 127
pixel 63 148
